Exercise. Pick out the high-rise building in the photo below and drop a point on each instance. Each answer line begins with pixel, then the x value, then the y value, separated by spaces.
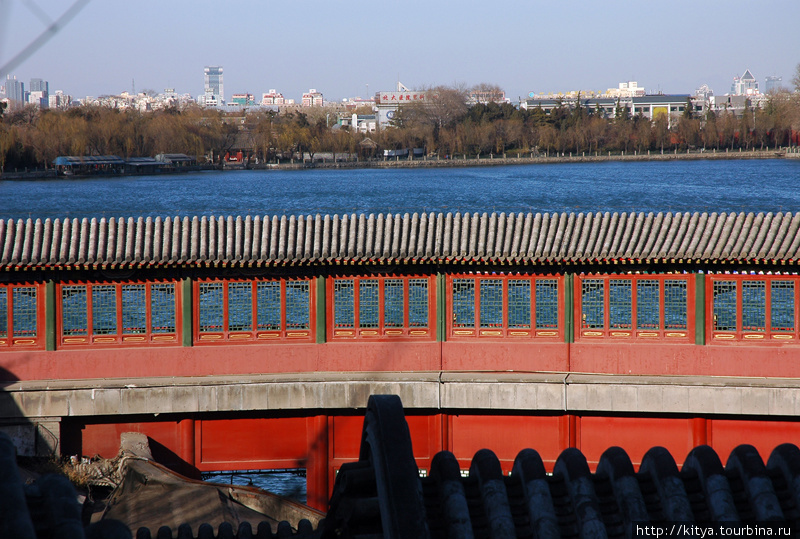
pixel 245 100
pixel 214 90
pixel 14 89
pixel 38 93
pixel 58 100
pixel 313 98
pixel 744 85
pixel 39 85
pixel 773 84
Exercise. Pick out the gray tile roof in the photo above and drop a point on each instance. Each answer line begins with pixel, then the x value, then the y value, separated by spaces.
pixel 584 238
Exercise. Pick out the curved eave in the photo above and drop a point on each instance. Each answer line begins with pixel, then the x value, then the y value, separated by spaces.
pixel 449 261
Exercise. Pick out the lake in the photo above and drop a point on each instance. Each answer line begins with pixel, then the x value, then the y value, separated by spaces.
pixel 675 186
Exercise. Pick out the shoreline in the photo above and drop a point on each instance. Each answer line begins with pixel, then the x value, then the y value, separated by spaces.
pixel 502 161
pixel 468 162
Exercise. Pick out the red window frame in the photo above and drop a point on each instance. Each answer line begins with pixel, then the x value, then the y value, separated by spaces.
pixel 503 331
pixel 119 337
pixel 228 336
pixel 381 332
pixel 582 332
pixel 740 335
pixel 9 341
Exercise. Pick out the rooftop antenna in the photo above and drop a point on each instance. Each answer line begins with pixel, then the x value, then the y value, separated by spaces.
pixel 133 86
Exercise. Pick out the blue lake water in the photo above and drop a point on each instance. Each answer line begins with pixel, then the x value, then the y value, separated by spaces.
pixel 284 483
pixel 677 186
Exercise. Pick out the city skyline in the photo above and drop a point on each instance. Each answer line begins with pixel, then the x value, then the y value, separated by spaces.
pixel 363 47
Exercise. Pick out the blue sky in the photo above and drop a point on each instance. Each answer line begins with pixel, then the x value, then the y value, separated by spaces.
pixel 342 47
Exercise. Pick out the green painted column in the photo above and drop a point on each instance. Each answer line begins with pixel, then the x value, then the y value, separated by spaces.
pixel 50 315
pixel 441 307
pixel 186 311
pixel 569 308
pixel 699 308
pixel 320 321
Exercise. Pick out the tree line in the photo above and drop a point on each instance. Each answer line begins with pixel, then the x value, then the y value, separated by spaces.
pixel 445 126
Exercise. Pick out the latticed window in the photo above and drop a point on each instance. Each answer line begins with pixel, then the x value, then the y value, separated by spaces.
pixel 244 311
pixel 504 306
pixel 725 306
pixel 463 303
pixel 378 307
pixel 117 313
pixel 393 304
pixel 268 296
pixel 344 302
pixel 519 304
pixel 754 302
pixel 418 303
pixel 162 308
pixel 593 304
pixel 104 310
pixel 19 315
pixel 74 310
pixel 547 304
pixel 298 301
pixel 24 312
pixel 620 303
pixel 212 307
pixel 648 304
pixel 754 307
pixel 675 305
pixel 134 308
pixel 368 304
pixel 491 303
pixel 634 307
pixel 240 307
pixel 782 306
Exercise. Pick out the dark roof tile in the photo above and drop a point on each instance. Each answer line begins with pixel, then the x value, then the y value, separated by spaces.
pixel 555 238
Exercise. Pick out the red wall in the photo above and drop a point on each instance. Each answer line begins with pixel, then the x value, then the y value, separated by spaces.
pixel 321 444
pixel 483 355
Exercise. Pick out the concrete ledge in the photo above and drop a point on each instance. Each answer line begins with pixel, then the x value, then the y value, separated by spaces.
pixel 510 391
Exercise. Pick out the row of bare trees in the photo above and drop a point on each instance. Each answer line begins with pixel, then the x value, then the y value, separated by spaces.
pixel 445 126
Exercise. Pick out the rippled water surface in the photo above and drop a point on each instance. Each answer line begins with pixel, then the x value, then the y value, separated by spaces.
pixel 721 186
